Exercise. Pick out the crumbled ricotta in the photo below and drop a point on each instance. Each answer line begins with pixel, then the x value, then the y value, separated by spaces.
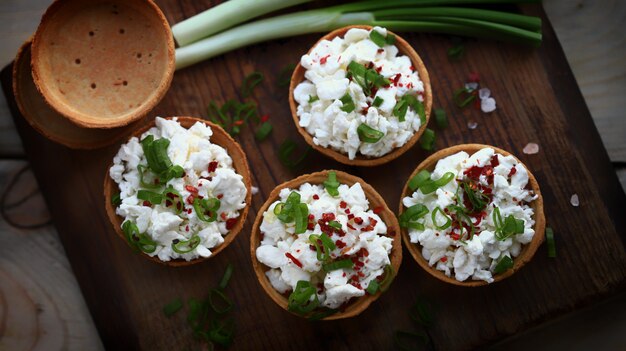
pixel 326 80
pixel 366 243
pixel 191 149
pixel 451 250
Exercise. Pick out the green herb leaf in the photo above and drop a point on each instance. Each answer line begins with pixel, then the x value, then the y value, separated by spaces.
pixel 503 265
pixel 428 186
pixel 313 98
pixel 186 246
pixel 443 226
pixel 150 196
pixel 409 218
pixel 372 287
pixel 550 242
pixel 477 198
pixel 206 209
pixel 249 82
pixel 171 308
pixel 138 241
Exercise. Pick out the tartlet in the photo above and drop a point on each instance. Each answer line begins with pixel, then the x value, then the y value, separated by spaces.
pixel 195 210
pixel 417 66
pixel 480 183
pixel 346 228
pixel 103 64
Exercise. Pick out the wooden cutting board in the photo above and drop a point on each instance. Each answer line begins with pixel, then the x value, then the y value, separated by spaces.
pixel 538 101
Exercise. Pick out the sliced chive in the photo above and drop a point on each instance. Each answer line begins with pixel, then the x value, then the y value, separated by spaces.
pixel 427 141
pixel 226 277
pixel 463 97
pixel 440 118
pixel 503 265
pixel 171 308
pixel 419 179
pixel 286 151
pixel 331 184
pixel 348 103
pixel 186 246
pixel 264 131
pixel 249 82
pixel 368 134
pixel 378 101
pixel 372 287
pixel 456 52
pixel 219 302
pixel 116 200
pixel 313 98
pixel 378 38
pixel 333 266
pixel 550 242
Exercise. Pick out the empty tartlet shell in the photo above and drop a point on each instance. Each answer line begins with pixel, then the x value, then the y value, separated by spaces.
pixel 68 71
pixel 47 121
pixel 527 251
pixel 359 305
pixel 240 163
pixel 404 48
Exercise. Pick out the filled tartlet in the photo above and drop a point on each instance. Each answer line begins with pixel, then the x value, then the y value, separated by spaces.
pixel 181 190
pixel 324 245
pixel 472 214
pixel 361 95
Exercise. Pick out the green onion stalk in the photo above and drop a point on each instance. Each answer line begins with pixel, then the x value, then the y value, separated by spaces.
pixel 396 15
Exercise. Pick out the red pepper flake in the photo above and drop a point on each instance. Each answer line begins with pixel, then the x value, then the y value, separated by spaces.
pixel 265 118
pixel 190 199
pixel 316 197
pixel 168 203
pixel 310 226
pixel 380 51
pixel 361 274
pixel 212 166
pixel 223 215
pixel 230 223
pixel 369 228
pixel 189 211
pixel 477 103
pixel 239 122
pixel 344 274
pixel 391 233
pixel 444 259
pixel 455 236
pixel 261 236
pixel 219 196
pixel 409 85
pixel 340 244
pixel 323 59
pixel 343 204
pixel 378 69
pixel 327 217
pixel 495 162
pixel 147 203
pixel 412 68
pixel 396 78
pixel 293 259
pixel 512 172
pixel 473 78
pixel 373 222
pixel 350 216
pixel 358 220
pixel 312 248
pixel 311 217
pixel 378 210
pixel 347 211
pixel 186 228
pixel 191 189
pixel 350 226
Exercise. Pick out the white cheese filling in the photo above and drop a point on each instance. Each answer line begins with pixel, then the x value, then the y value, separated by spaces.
pixel 326 80
pixel 365 243
pixel 192 149
pixel 450 250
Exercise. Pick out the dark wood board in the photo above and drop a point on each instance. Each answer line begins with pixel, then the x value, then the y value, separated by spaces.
pixel 538 101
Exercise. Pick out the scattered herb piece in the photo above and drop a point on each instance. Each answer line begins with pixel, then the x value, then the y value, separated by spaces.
pixel 368 134
pixel 421 313
pixel 294 211
pixel 264 131
pixel 378 38
pixel 284 76
pixel 116 200
pixel 550 242
pixel 228 273
pixel 389 274
pixel 446 224
pixel 367 78
pixel 507 228
pixel 185 246
pixel 171 308
pixel 206 209
pixel 440 118
pixel 456 52
pixel 313 98
pixel 285 152
pixel 303 298
pixel 378 101
pixel 428 185
pixel 410 217
pixel 249 82
pixel 477 198
pixel 232 115
pixel 331 184
pixel 503 265
pixel 372 287
pixel 333 266
pixel 219 302
pixel 427 141
pixel 419 179
pixel 348 103
pixel 150 196
pixel 463 97
pixel 136 240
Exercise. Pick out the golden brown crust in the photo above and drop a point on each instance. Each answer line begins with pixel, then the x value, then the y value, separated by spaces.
pixel 360 160
pixel 358 306
pixel 527 251
pixel 240 163
pixel 47 77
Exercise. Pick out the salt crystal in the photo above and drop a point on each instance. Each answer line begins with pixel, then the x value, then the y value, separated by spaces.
pixel 472 125
pixel 255 190
pixel 484 93
pixel 531 149
pixel 574 200
pixel 488 105
pixel 471 86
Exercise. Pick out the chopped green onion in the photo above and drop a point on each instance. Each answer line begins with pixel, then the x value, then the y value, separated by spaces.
pixel 142 170
pixel 327 242
pixel 503 265
pixel 323 251
pixel 429 186
pixel 409 218
pixel 301 214
pixel 348 103
pixel 285 152
pixel 226 277
pixel 334 224
pixel 186 246
pixel 138 241
pixel 116 200
pixel 206 206
pixel 416 340
pixel 222 333
pixel 389 275
pixel 284 76
pixel 232 114
pixel 278 208
pixel 333 266
pixel 372 287
pixel 292 211
pixel 443 226
pixel 377 101
pixel 150 196
pixel 368 134
pixel 477 198
pixel 219 302
pixel 507 228
pixel 365 77
pixel 300 300
pixel 550 241
pixel 421 313
pixel 156 154
pixel 440 118
pixel 313 98
pixel 419 179
pixel 390 39
pixel 331 184
pixel 250 82
pixel 378 38
pixel 264 131
pixel 456 52
pixel 427 141
pixel 462 217
pixel 171 308
pixel 463 97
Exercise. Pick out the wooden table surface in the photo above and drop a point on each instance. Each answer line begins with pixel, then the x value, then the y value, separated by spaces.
pixel 41 306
